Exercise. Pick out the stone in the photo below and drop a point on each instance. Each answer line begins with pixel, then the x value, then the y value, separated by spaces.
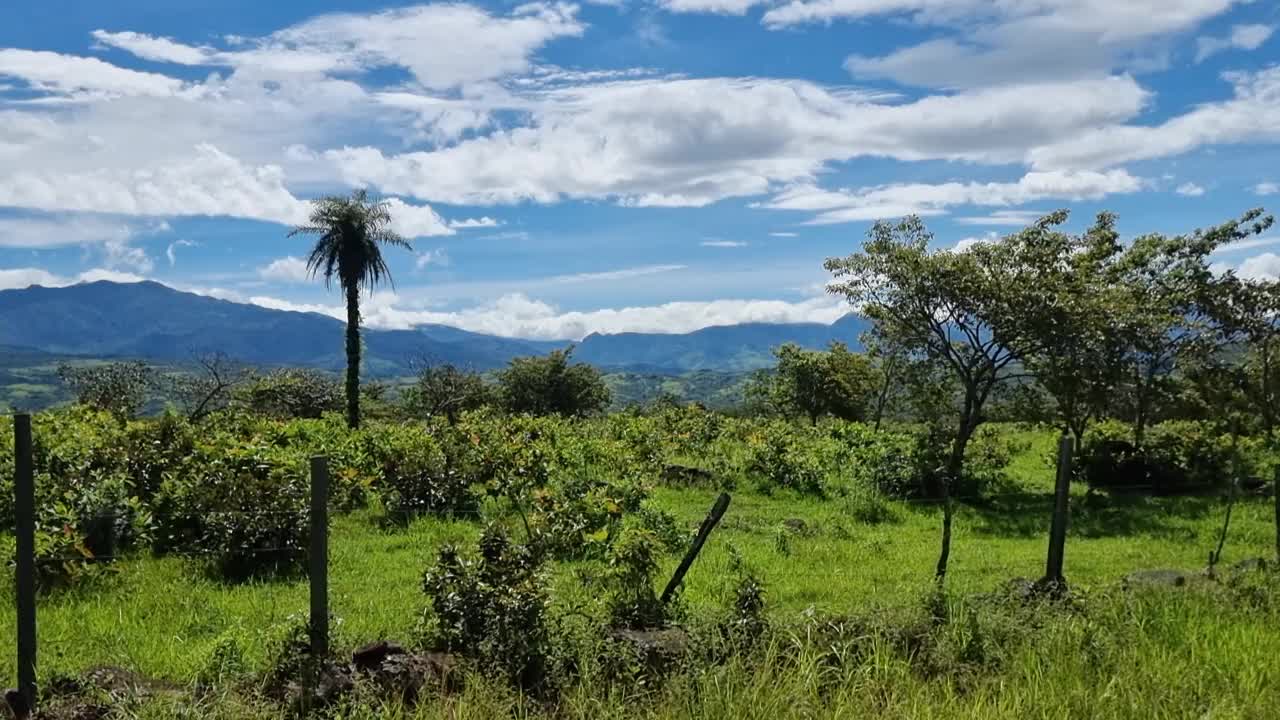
pixel 372 656
pixel 675 474
pixel 657 649
pixel 1157 578
pixel 796 525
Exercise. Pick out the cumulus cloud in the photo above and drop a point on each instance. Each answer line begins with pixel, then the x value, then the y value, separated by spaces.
pixel 50 232
pixel 1189 189
pixel 1253 114
pixel 72 76
pixel 18 278
pixel 471 223
pixel 437 257
pixel 889 201
pixel 1241 37
pixel 1266 188
pixel 966 243
pixel 287 270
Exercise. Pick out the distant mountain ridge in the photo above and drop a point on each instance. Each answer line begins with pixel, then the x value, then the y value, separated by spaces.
pixel 151 321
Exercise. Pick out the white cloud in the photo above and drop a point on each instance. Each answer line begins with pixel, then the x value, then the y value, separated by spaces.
pixel 171 252
pixel 966 243
pixel 69 75
pixel 1266 188
pixel 1189 189
pixel 469 223
pixel 416 220
pixel 159 49
pixel 118 254
pixel 437 257
pixel 1017 218
pixel 1261 267
pixel 621 274
pixel 1252 115
pixel 670 142
pixel 723 243
pixel 516 315
pixel 1242 37
pixel 18 278
pixel 442 44
pixel 287 269
pixel 784 234
pixel 1247 244
pixel 888 201
pixel 723 7
pixel 205 182
pixel 45 232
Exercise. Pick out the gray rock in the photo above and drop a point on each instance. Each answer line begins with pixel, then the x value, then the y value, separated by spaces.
pixel 1157 578
pixel 657 649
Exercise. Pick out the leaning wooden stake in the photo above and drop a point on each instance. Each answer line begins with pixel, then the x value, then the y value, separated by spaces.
pixel 25 507
pixel 1275 490
pixel 1058 526
pixel 319 558
pixel 709 524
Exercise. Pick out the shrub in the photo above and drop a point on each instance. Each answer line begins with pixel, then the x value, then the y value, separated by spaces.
pixel 293 393
pixel 492 609
pixel 415 475
pixel 878 459
pixel 550 385
pixel 779 459
pixel 633 562
pixel 241 504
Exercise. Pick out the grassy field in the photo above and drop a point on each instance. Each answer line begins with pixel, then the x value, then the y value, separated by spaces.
pixel 164 619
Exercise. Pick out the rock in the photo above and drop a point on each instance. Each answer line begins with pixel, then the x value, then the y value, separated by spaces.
pixel 17 705
pixel 657 649
pixel 408 675
pixel 1157 578
pixel 1253 564
pixel 330 684
pixel 675 474
pixel 371 656
pixel 796 525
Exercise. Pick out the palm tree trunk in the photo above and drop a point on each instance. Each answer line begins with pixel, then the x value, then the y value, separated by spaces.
pixel 353 357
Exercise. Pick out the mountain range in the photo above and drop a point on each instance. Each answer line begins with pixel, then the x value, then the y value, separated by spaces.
pixel 150 321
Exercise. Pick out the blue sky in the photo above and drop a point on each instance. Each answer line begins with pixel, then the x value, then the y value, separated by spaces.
pixel 600 167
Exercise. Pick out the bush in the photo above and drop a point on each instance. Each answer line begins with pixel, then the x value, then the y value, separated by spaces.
pixel 1179 456
pixel 633 562
pixel 415 474
pixel 550 385
pixel 293 393
pixel 878 459
pixel 778 458
pixel 492 609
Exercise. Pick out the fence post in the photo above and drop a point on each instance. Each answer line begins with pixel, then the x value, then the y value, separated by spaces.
pixel 25 509
pixel 708 524
pixel 1061 496
pixel 1275 490
pixel 318 571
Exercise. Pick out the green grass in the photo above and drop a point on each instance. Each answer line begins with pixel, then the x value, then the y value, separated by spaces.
pixel 1186 653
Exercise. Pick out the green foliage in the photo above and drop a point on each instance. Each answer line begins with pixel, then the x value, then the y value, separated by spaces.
pixel 445 390
pixel 550 385
pixel 119 388
pixel 815 383
pixel 779 458
pixel 492 609
pixel 415 473
pixel 633 561
pixel 292 393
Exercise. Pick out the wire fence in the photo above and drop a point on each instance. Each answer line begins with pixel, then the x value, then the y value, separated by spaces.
pixel 822 563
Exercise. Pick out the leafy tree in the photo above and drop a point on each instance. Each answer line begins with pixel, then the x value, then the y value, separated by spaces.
pixel 815 383
pixel 1171 310
pixel 962 310
pixel 292 393
pixel 550 385
pixel 119 388
pixel 445 390
pixel 209 387
pixel 352 232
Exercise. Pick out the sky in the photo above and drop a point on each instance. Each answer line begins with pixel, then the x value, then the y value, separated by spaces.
pixel 615 165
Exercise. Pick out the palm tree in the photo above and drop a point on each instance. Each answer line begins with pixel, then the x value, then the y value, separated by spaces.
pixel 352 231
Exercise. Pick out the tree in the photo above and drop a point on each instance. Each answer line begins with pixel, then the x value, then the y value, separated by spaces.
pixel 292 393
pixel 1172 310
pixel 352 232
pixel 816 383
pixel 209 387
pixel 550 385
pixel 963 310
pixel 445 390
pixel 120 388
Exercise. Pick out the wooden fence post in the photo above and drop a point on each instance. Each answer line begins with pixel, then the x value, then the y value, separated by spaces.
pixel 1061 497
pixel 1275 490
pixel 318 570
pixel 25 508
pixel 708 524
